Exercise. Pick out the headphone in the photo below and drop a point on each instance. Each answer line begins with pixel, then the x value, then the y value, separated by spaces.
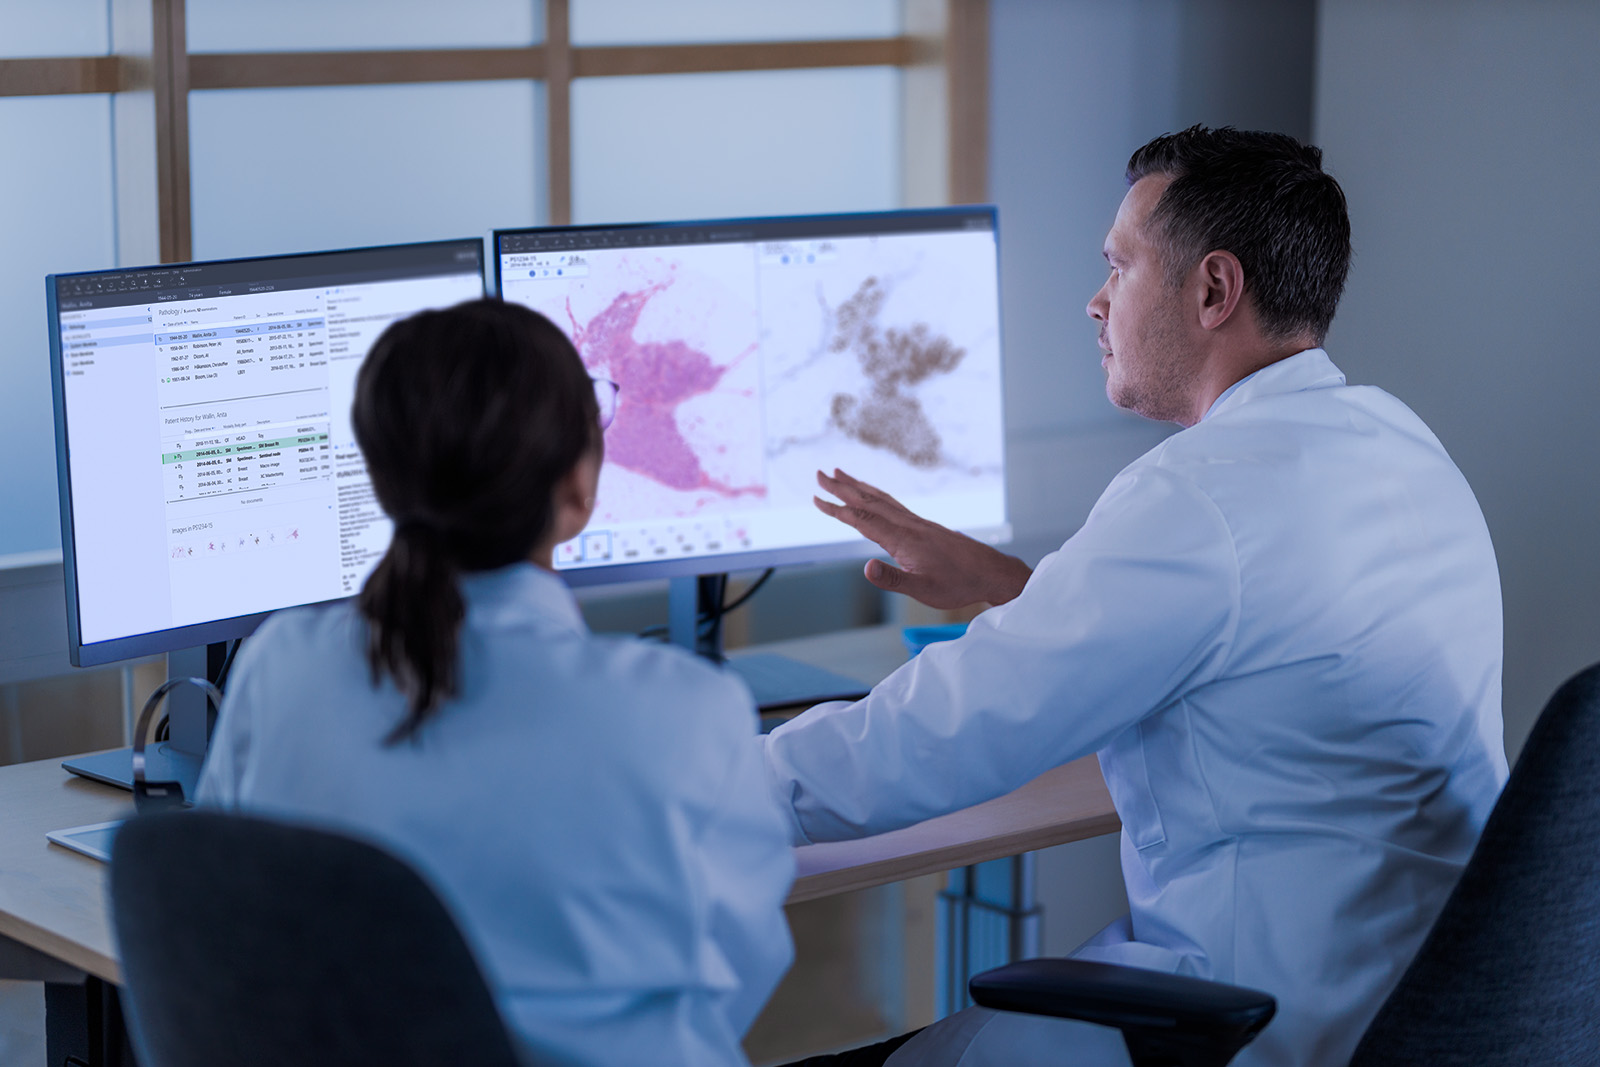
pixel 160 796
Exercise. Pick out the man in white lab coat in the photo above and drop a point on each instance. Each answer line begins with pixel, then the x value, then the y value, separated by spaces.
pixel 1280 629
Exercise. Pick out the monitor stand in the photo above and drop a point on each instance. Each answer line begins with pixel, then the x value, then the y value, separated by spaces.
pixel 177 759
pixel 775 681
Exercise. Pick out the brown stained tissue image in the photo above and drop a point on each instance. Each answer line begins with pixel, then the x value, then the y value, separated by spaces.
pixel 887 415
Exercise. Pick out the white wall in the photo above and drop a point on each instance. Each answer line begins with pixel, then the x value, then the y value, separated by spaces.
pixel 1077 86
pixel 1464 135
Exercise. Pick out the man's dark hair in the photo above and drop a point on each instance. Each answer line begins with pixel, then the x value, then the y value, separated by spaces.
pixel 468 418
pixel 1265 198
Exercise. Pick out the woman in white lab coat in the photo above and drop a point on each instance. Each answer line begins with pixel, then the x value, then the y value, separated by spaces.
pixel 592 810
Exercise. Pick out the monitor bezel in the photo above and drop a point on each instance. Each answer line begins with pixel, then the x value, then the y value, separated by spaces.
pixel 189 635
pixel 846 549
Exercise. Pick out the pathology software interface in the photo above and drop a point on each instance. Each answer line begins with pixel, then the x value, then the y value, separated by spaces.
pixel 751 353
pixel 213 472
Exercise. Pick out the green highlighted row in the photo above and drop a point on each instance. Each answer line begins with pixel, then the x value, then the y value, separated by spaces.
pixel 244 449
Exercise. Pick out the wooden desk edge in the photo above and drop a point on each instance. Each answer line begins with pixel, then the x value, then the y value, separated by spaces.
pixel 1080 807
pixel 59 947
pixel 948 857
pixel 54 897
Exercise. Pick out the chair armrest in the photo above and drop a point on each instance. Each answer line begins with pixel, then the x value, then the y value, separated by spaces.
pixel 1147 1006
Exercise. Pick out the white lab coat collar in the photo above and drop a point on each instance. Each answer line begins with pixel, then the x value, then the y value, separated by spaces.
pixel 518 595
pixel 1308 369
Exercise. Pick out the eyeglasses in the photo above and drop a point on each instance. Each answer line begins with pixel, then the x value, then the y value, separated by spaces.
pixel 605 395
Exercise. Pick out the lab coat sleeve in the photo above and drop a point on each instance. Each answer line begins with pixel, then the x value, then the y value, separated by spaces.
pixel 748 867
pixel 1137 608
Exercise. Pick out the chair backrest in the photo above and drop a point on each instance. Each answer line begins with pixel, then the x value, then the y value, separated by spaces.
pixel 1510 974
pixel 249 942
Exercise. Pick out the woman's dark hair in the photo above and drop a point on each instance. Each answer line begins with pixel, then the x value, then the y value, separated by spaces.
pixel 467 417
pixel 1265 198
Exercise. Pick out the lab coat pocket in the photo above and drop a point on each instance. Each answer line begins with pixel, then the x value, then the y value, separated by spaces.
pixel 1128 778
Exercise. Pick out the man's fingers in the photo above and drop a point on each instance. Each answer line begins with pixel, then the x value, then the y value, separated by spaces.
pixel 885 576
pixel 855 491
pixel 842 486
pixel 868 524
pixel 832 510
pixel 858 493
pixel 892 579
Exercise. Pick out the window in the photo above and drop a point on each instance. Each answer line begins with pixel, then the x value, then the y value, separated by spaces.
pixel 164 131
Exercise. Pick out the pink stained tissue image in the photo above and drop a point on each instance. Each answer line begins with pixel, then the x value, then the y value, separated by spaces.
pixel 655 379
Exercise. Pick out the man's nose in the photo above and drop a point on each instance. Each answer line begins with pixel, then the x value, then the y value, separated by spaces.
pixel 1098 306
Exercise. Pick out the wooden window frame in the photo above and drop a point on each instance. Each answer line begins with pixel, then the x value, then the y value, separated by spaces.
pixel 943 52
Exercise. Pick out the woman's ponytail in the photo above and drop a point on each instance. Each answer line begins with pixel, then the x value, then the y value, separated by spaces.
pixel 414 611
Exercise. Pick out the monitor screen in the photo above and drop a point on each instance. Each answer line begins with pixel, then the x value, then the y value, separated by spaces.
pixel 208 470
pixel 750 353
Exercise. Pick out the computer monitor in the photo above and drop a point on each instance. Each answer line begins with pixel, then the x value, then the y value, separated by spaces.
pixel 750 353
pixel 208 471
pixel 207 467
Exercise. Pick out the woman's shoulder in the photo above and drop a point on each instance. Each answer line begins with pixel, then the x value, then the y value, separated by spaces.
pixel 666 683
pixel 650 666
pixel 689 726
pixel 308 626
pixel 313 639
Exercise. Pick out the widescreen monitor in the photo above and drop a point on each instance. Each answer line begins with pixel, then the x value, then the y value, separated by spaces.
pixel 750 353
pixel 207 467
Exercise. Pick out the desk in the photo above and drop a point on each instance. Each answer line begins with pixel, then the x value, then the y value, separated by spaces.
pixel 54 924
pixel 52 901
pixel 1066 804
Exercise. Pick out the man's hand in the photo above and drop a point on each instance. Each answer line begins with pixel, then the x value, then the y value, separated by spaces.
pixel 938 566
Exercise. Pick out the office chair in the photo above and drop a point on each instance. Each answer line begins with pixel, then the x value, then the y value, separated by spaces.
pixel 1509 976
pixel 253 943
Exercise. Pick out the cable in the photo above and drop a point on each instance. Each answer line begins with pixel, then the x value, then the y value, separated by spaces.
pixel 712 620
pixel 164 725
pixel 221 680
pixel 706 624
pixel 748 593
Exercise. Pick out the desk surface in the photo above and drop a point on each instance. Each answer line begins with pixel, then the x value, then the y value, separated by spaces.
pixel 53 900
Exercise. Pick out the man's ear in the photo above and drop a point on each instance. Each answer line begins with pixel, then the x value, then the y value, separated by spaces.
pixel 1221 288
